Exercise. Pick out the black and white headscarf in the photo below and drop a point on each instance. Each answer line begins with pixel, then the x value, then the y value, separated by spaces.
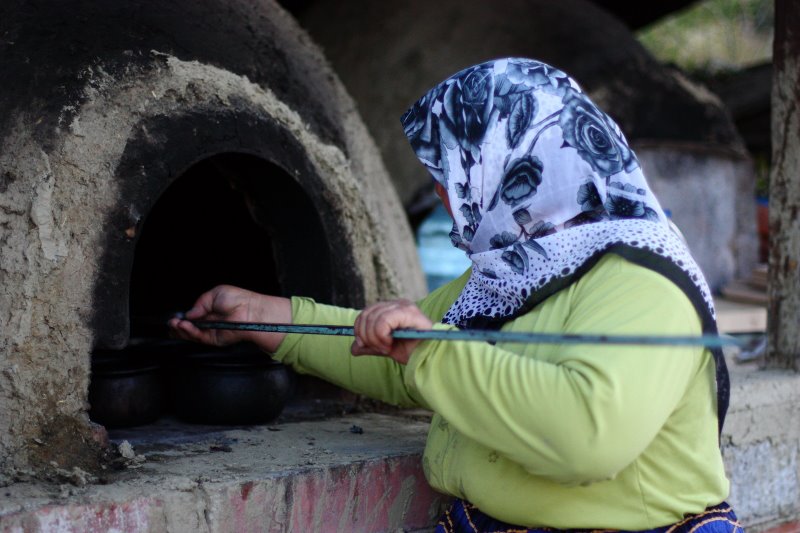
pixel 542 184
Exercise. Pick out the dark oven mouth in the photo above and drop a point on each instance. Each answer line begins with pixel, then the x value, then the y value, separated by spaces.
pixel 208 228
pixel 230 219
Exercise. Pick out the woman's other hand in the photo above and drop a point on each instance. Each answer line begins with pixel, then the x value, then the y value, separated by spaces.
pixel 375 324
pixel 232 304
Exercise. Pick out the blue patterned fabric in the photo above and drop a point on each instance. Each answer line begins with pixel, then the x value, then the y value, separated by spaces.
pixel 542 184
pixel 463 517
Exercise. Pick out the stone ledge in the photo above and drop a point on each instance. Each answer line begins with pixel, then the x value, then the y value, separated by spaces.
pixel 738 317
pixel 761 446
pixel 308 476
pixel 319 476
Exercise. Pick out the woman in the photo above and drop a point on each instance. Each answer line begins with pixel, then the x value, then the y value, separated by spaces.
pixel 551 206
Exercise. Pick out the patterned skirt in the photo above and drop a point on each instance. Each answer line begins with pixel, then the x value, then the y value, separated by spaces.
pixel 463 517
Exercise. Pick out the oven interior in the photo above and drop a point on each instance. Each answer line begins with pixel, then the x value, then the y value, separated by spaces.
pixel 229 219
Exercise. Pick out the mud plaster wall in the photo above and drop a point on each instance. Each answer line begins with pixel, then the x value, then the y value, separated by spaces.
pixel 52 211
pixel 387 66
pixel 711 195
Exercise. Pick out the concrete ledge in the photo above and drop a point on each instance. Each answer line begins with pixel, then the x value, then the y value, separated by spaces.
pixel 761 446
pixel 738 317
pixel 319 476
pixel 308 477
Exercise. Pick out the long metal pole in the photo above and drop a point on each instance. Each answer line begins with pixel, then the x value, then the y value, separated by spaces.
pixel 710 341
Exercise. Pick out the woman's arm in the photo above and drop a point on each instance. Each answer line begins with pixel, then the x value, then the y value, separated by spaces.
pixel 330 357
pixel 232 304
pixel 584 412
pixel 326 357
pixel 375 376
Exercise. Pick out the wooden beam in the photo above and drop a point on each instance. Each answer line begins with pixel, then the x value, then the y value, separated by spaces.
pixel 784 198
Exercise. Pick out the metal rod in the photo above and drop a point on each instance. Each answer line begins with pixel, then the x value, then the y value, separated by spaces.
pixel 710 341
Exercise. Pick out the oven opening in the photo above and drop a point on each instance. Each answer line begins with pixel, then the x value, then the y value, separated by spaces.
pixel 200 234
pixel 229 219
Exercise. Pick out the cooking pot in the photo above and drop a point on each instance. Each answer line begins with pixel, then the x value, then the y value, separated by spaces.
pixel 125 389
pixel 229 387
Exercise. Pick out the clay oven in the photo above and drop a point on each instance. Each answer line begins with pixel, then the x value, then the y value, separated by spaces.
pixel 682 134
pixel 218 124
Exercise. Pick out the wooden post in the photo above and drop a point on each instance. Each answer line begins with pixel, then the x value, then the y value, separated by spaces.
pixel 784 196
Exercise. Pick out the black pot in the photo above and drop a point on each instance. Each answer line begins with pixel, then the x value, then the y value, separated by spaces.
pixel 229 388
pixel 125 390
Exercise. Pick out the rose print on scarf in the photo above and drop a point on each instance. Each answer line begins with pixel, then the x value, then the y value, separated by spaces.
pixel 593 135
pixel 488 134
pixel 522 177
pixel 522 112
pixel 517 259
pixel 455 238
pixel 541 229
pixel 592 208
pixel 471 213
pixel 589 197
pixel 503 240
pixel 463 191
pixel 506 239
pixel 535 74
pixel 472 216
pixel 625 205
pixel 422 130
pixel 468 103
pixel 537 230
pixel 513 97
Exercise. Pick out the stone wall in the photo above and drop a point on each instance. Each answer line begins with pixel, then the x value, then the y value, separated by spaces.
pixel 711 197
pixel 761 446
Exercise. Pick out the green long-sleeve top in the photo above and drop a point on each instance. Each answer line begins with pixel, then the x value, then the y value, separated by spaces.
pixel 566 436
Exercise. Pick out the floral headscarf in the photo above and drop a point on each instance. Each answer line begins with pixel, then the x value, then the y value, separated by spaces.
pixel 542 183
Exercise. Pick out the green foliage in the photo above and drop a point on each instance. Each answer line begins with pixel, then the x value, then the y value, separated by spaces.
pixel 714 35
pixel 762 169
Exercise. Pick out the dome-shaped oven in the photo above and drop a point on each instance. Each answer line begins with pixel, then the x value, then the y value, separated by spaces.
pixel 112 104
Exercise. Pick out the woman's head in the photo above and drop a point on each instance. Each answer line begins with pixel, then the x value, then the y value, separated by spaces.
pixel 519 149
pixel 540 182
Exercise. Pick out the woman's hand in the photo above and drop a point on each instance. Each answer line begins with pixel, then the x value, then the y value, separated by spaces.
pixel 232 304
pixel 374 326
